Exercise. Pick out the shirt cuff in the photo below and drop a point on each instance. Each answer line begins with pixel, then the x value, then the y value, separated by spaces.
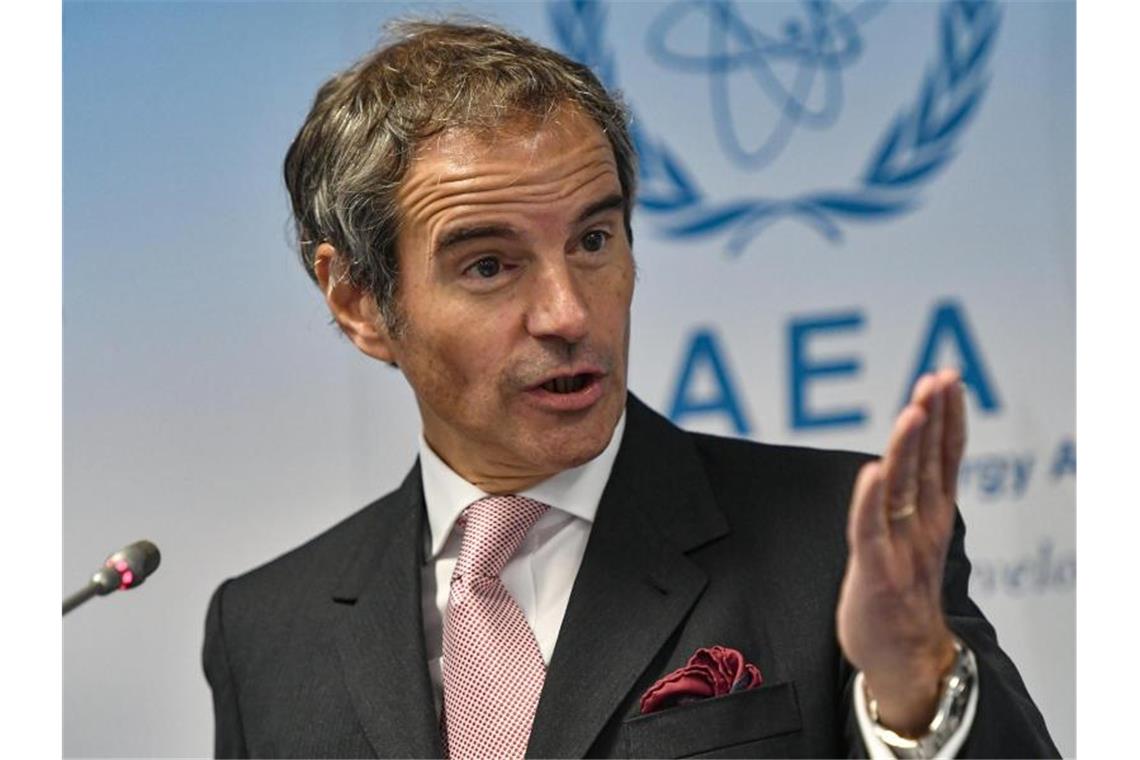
pixel 878 750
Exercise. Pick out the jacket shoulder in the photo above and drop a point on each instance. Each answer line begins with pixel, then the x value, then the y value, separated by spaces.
pixel 777 464
pixel 761 484
pixel 325 551
pixel 307 573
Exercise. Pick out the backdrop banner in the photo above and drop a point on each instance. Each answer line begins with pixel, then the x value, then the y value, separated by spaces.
pixel 835 197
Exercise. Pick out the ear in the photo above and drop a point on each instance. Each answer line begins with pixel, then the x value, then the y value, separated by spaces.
pixel 355 310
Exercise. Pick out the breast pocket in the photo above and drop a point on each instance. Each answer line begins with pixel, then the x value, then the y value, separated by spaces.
pixel 720 723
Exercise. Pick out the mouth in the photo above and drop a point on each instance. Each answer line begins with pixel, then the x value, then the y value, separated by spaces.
pixel 568 383
pixel 569 391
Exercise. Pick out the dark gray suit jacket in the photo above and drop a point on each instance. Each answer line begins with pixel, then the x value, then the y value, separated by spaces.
pixel 698 541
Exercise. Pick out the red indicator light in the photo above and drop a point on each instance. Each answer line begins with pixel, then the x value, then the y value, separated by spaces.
pixel 128 579
pixel 121 566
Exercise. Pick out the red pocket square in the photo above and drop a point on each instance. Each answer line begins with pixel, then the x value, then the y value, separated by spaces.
pixel 710 672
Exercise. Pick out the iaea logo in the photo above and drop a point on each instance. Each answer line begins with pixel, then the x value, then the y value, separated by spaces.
pixel 919 139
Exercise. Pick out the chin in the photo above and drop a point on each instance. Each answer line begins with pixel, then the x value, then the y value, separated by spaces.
pixel 574 446
pixel 568 458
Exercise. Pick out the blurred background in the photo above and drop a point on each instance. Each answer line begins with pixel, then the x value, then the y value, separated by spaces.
pixel 835 196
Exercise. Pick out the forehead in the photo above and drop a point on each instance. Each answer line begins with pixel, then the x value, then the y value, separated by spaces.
pixel 524 160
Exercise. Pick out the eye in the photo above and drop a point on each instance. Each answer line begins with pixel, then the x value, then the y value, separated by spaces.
pixel 486 267
pixel 594 240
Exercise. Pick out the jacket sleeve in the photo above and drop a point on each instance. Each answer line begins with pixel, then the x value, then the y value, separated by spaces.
pixel 229 739
pixel 1007 722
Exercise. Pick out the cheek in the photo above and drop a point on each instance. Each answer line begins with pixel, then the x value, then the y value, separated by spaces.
pixel 459 353
pixel 612 301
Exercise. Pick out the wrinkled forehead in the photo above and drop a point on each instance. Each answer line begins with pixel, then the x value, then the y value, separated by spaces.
pixel 535 148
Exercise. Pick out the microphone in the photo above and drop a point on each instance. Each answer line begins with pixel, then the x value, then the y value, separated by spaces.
pixel 124 569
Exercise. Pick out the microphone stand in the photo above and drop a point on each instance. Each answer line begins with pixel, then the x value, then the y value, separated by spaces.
pixel 103 582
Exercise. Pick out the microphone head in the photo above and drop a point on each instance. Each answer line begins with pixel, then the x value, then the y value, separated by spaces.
pixel 134 563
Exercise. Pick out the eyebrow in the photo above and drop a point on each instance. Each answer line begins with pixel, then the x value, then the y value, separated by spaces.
pixel 453 238
pixel 459 235
pixel 609 203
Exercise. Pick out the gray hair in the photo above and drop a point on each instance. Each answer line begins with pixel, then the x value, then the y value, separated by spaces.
pixel 345 166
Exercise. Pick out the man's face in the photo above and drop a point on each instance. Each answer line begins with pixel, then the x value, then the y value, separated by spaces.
pixel 516 278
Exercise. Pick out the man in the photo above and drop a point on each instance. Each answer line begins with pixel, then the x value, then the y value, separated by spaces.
pixel 463 200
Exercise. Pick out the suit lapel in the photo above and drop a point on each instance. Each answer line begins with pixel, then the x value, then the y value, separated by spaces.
pixel 635 584
pixel 380 635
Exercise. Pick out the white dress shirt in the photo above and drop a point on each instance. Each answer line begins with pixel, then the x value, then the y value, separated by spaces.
pixel 541 574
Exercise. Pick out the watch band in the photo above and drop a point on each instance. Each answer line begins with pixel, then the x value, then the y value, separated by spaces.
pixel 956 688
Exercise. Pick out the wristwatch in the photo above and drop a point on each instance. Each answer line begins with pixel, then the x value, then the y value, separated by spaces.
pixel 956 688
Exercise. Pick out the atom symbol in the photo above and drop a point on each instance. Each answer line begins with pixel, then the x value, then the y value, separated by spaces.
pixel 799 70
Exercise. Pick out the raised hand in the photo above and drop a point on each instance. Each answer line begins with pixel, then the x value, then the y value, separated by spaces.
pixel 890 620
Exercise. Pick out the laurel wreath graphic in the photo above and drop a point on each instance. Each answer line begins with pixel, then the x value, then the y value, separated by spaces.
pixel 916 145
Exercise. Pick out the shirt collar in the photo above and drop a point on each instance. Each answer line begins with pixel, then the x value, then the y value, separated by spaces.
pixel 576 491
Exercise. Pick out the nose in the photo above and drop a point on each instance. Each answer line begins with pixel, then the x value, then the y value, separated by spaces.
pixel 557 308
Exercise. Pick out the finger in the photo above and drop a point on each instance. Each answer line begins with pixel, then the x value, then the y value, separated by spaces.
pixel 953 437
pixel 867 521
pixel 901 467
pixel 931 397
pixel 922 388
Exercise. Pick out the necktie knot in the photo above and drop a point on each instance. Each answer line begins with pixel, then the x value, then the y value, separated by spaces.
pixel 493 529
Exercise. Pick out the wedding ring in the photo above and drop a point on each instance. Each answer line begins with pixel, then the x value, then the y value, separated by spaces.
pixel 903 512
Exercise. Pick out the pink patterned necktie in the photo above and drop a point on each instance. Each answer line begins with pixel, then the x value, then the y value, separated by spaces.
pixel 492 667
